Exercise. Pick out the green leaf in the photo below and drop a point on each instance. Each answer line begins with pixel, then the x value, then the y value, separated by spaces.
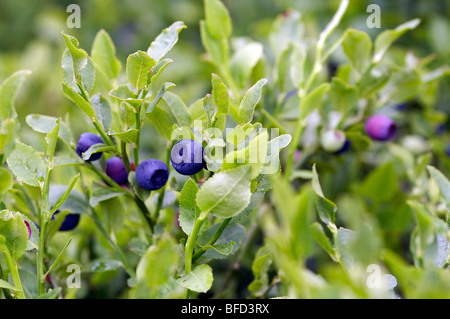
pixel 254 154
pixel 210 109
pixel 297 64
pixel 381 184
pixel 45 124
pixel 97 148
pixel 129 136
pixel 321 238
pixel 143 194
pixel 199 280
pixel 325 208
pixel 220 95
pixel 103 54
pixel 6 285
pixel 9 129
pixel 272 161
pixel 226 245
pixel 139 65
pixel 50 294
pixel 58 259
pixel 402 86
pixel 217 48
pixel 357 47
pixel 162 122
pixel 371 82
pixel 65 195
pixel 313 100
pixel 14 230
pixel 165 41
pixel 101 194
pixel 125 94
pixel 8 92
pixel 166 86
pixel 178 108
pixel 51 138
pixel 76 98
pixel 225 194
pixel 346 239
pixel 249 101
pixel 6 180
pixel 343 96
pixel 385 39
pixel 62 160
pixel 218 19
pixel 157 69
pixel 137 246
pixel 157 267
pixel 79 56
pixel 243 61
pixel 102 111
pixel 442 182
pixel 189 211
pixel 27 165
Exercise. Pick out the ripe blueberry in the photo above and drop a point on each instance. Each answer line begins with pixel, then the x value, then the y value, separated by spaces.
pixel 344 148
pixel 380 127
pixel 70 221
pixel 332 141
pixel 87 140
pixel 116 169
pixel 152 174
pixel 187 157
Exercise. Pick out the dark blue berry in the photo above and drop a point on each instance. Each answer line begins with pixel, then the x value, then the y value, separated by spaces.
pixel 187 157
pixel 380 127
pixel 152 174
pixel 116 170
pixel 344 148
pixel 85 142
pixel 70 221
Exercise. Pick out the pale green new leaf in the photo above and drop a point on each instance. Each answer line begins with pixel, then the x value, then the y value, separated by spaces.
pixel 199 280
pixel 27 164
pixel 165 41
pixel 225 194
pixel 249 101
pixel 8 92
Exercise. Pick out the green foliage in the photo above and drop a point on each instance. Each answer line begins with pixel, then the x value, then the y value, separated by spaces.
pixel 304 222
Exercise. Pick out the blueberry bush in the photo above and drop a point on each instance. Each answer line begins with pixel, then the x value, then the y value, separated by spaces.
pixel 292 176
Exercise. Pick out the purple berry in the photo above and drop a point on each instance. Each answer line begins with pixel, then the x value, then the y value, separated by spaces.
pixel 152 174
pixel 447 150
pixel 85 142
pixel 187 157
pixel 116 169
pixel 380 127
pixel 70 221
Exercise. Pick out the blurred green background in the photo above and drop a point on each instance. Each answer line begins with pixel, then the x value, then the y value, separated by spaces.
pixel 30 37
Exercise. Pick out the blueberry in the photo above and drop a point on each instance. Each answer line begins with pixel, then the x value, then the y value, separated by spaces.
pixel 380 127
pixel 85 142
pixel 152 174
pixel 116 169
pixel 344 148
pixel 332 141
pixel 70 221
pixel 187 157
